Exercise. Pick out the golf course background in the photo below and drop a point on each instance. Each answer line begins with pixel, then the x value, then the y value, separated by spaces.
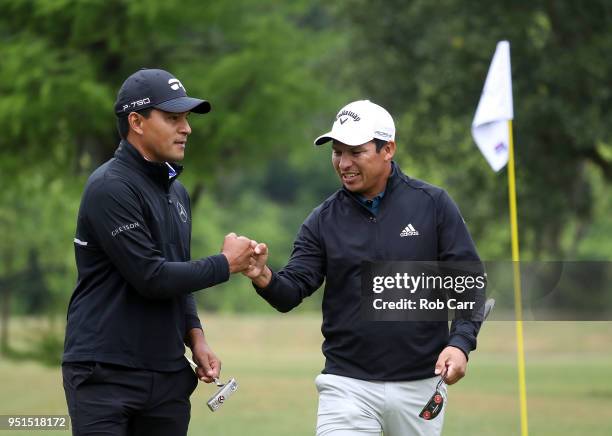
pixel 276 73
pixel 276 358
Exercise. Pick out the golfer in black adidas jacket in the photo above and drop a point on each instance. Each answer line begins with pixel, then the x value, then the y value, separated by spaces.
pixel 132 310
pixel 377 375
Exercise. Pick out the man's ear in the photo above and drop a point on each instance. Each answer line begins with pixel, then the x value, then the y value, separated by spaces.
pixel 389 150
pixel 135 120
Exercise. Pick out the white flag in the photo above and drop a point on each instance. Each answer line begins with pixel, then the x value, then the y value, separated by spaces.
pixel 490 125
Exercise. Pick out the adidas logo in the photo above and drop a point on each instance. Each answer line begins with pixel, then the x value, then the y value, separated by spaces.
pixel 409 231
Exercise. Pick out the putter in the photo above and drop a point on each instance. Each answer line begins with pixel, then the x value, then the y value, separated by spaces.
pixel 434 406
pixel 223 393
pixel 435 403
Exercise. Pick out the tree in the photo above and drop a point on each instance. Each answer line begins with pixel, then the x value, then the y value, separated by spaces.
pixel 427 61
pixel 260 63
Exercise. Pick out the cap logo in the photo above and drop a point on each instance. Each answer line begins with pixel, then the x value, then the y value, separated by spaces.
pixel 175 84
pixel 136 103
pixel 381 133
pixel 347 114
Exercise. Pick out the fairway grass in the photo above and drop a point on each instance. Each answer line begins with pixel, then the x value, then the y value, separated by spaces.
pixel 276 358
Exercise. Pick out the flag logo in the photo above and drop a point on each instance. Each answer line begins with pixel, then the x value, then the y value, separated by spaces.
pixel 500 148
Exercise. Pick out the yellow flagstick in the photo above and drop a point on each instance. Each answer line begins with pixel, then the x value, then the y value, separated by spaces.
pixel 518 308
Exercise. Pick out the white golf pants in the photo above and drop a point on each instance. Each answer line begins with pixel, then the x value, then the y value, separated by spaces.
pixel 352 407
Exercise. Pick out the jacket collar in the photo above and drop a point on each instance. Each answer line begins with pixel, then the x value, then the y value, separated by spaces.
pixel 396 176
pixel 158 172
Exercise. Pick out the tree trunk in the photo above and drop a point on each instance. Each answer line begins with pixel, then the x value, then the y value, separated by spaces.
pixel 6 309
pixel 4 328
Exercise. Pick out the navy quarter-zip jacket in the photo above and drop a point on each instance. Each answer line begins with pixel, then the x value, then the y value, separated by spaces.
pixel 132 304
pixel 332 243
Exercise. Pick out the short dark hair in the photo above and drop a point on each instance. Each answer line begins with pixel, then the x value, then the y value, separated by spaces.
pixel 123 126
pixel 380 143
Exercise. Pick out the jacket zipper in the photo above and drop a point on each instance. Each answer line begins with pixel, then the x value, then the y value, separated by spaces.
pixel 170 221
pixel 371 220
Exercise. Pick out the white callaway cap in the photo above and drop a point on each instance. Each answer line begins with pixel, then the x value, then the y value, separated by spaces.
pixel 360 122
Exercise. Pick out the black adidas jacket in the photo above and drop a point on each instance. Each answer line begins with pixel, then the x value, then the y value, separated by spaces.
pixel 331 244
pixel 132 304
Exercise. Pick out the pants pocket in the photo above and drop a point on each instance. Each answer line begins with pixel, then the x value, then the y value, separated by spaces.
pixel 319 382
pixel 77 373
pixel 194 380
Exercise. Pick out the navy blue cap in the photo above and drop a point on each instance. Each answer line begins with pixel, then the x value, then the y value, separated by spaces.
pixel 158 89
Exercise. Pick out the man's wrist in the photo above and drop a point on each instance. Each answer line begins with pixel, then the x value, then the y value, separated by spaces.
pixel 462 350
pixel 195 337
pixel 264 279
pixel 229 264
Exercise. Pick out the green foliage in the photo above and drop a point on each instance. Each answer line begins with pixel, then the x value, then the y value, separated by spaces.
pixel 261 64
pixel 275 73
pixel 260 219
pixel 38 339
pixel 427 61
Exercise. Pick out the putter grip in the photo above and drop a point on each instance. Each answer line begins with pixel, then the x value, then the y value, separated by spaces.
pixel 222 395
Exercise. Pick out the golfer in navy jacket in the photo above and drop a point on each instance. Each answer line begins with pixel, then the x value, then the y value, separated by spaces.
pixel 132 311
pixel 377 375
